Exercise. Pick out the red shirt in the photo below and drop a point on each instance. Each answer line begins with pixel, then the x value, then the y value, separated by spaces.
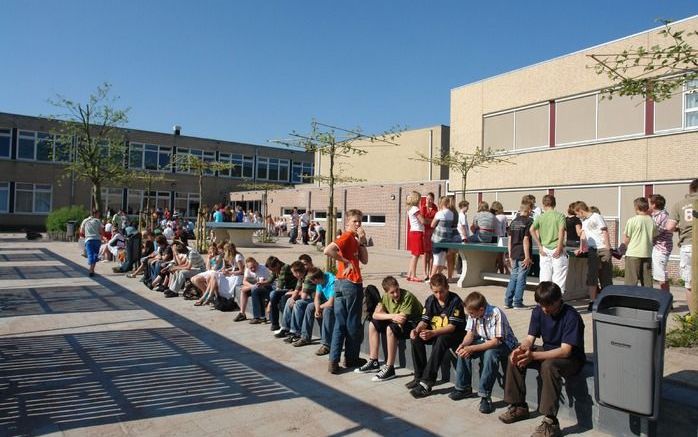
pixel 349 249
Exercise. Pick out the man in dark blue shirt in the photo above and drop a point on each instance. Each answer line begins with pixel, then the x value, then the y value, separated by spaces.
pixel 562 355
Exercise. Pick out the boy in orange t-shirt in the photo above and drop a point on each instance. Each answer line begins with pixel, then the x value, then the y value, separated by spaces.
pixel 349 250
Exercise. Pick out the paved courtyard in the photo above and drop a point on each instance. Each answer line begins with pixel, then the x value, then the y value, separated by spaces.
pixel 106 356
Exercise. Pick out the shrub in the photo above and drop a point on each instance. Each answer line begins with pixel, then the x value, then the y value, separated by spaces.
pixel 686 334
pixel 56 221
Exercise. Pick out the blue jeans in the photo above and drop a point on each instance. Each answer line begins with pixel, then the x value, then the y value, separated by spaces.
pixel 259 294
pixel 298 316
pixel 276 297
pixel 92 250
pixel 327 323
pixel 517 284
pixel 489 363
pixel 287 316
pixel 348 331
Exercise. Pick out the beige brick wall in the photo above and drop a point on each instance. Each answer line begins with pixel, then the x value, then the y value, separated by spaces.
pixel 393 163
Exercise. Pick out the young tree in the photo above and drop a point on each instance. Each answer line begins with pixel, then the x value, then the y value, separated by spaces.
pixel 463 163
pixel 265 188
pixel 146 179
pixel 335 142
pixel 655 72
pixel 200 168
pixel 89 134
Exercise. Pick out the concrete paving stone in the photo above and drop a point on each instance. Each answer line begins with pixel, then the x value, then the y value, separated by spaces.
pixel 320 403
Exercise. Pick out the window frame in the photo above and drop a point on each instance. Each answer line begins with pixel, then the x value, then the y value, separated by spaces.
pixel 7 135
pixel 33 192
pixel 47 136
pixel 302 166
pixel 145 148
pixel 368 219
pixel 5 186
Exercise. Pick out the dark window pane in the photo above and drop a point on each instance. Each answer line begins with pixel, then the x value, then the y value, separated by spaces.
pixel 164 160
pixel 151 160
pixel 26 148
pixel 135 159
pixel 5 146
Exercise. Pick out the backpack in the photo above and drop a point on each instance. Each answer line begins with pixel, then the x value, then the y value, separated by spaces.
pixel 225 305
pixel 371 299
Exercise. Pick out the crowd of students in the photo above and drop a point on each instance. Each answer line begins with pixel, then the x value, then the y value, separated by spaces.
pixel 647 240
pixel 291 298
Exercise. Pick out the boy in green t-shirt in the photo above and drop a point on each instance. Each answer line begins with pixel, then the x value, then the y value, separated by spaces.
pixel 548 231
pixel 398 310
pixel 639 233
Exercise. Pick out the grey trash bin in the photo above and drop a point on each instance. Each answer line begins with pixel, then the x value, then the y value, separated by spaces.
pixel 629 332
pixel 70 230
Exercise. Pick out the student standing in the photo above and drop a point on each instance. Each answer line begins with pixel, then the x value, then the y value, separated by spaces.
pixel 681 221
pixel 92 229
pixel 663 243
pixel 639 232
pixel 519 248
pixel 596 241
pixel 548 231
pixel 349 250
pixel 415 238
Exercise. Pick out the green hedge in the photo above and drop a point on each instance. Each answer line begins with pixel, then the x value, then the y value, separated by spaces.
pixel 55 222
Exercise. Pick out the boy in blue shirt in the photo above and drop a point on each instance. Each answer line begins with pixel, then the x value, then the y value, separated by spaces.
pixel 321 308
pixel 562 355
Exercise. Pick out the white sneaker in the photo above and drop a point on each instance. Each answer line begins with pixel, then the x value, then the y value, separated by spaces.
pixel 278 331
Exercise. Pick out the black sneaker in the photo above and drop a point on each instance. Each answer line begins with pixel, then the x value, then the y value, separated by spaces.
pixel 291 339
pixel 256 321
pixel 170 293
pixel 457 395
pixel 275 327
pixel 371 366
pixel 281 334
pixel 412 384
pixel 420 391
pixel 486 405
pixel 384 374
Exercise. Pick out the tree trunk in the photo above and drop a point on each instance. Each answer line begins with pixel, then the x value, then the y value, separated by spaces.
pixel 331 218
pixel 200 236
pixel 693 296
pixel 97 195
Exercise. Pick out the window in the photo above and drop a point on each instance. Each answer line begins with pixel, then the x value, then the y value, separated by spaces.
pixel 4 196
pixel 575 120
pixel 32 198
pixel 5 142
pixel 41 146
pixel 149 156
pixel 373 219
pixel 134 201
pixel 691 104
pixel 273 169
pixel 182 167
pixel 187 204
pixel 158 199
pixel 112 198
pixel 243 165
pixel 302 172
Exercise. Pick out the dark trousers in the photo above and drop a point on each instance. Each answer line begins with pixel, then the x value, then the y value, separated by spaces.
pixel 426 369
pixel 348 303
pixel 551 374
pixel 304 234
pixel 277 299
pixel 293 235
pixel 260 294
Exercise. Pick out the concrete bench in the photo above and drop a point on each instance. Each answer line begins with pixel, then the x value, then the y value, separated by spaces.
pixel 240 234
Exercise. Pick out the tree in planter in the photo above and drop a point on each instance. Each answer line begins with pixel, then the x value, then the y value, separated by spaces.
pixel 200 168
pixel 266 188
pixel 335 142
pixel 89 135
pixel 655 72
pixel 464 163
pixel 146 180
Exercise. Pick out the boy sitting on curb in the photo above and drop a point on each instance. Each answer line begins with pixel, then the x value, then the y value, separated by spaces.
pixel 396 315
pixel 442 326
pixel 489 337
pixel 562 355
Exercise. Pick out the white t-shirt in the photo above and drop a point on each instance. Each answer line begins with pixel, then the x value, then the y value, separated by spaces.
pixel 463 228
pixel 168 233
pixel 254 277
pixel 305 220
pixel 415 224
pixel 592 227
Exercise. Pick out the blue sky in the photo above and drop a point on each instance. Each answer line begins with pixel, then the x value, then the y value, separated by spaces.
pixel 255 70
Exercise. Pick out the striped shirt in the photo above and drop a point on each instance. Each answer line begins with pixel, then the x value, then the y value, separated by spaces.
pixel 663 242
pixel 493 324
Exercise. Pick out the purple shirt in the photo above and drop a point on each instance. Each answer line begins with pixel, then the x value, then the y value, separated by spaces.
pixel 663 242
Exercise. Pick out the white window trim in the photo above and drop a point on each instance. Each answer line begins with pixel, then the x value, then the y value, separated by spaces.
pixel 52 138
pixel 370 223
pixel 33 191
pixel 302 165
pixel 281 163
